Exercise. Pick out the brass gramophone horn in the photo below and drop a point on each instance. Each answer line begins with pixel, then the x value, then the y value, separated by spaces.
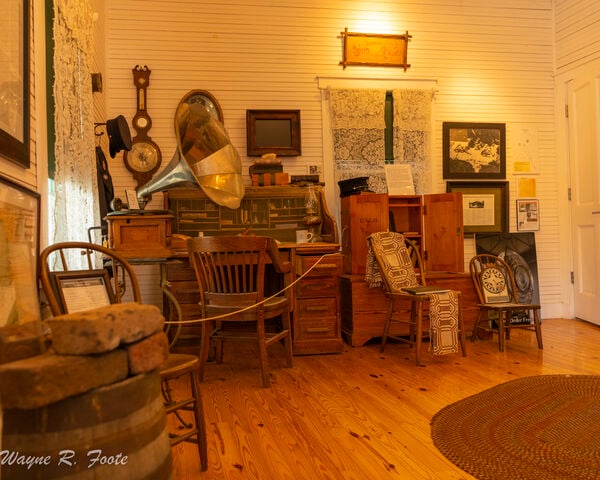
pixel 204 157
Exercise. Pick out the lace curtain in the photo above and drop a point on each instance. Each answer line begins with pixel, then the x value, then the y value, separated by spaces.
pixel 75 206
pixel 412 134
pixel 358 125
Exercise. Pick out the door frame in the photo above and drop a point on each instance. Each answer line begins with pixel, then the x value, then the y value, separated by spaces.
pixel 563 79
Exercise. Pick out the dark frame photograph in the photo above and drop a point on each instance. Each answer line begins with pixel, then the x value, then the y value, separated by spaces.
pixel 485 206
pixel 273 131
pixel 14 84
pixel 475 151
pixel 19 253
pixel 79 290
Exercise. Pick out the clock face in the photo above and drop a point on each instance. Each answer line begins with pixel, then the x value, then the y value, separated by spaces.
pixel 141 123
pixel 493 280
pixel 143 157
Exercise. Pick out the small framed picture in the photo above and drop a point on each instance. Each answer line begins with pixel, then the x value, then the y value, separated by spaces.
pixel 528 214
pixel 84 290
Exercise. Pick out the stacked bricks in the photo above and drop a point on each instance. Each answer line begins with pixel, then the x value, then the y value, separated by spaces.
pixel 86 350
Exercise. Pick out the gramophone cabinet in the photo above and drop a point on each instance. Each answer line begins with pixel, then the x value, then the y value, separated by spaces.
pixel 140 236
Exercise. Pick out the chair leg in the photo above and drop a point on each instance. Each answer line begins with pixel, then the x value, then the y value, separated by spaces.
pixel 538 328
pixel 204 348
pixel 419 333
pixel 501 329
pixel 475 332
pixel 219 345
pixel 412 336
pixel 287 340
pixel 262 353
pixel 386 326
pixel 200 422
pixel 461 334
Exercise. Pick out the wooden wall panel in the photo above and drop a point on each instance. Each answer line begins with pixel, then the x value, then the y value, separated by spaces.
pixel 490 61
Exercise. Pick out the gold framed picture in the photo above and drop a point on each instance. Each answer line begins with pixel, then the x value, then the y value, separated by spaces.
pixel 373 49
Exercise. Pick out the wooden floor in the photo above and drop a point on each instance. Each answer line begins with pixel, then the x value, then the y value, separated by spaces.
pixel 361 414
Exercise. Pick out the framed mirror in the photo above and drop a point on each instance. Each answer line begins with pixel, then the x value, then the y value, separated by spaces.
pixel 207 100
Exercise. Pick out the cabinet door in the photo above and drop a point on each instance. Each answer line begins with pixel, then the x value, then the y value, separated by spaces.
pixel 444 239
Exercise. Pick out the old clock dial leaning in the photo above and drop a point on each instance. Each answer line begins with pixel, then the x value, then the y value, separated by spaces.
pixel 144 157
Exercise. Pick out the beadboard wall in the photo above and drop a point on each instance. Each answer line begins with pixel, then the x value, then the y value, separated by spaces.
pixel 488 62
pixel 577 33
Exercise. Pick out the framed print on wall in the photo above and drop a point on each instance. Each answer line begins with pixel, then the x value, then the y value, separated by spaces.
pixel 19 251
pixel 528 214
pixel 14 83
pixel 485 206
pixel 475 151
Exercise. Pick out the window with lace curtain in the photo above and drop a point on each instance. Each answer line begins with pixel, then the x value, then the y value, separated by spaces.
pixel 73 190
pixel 372 127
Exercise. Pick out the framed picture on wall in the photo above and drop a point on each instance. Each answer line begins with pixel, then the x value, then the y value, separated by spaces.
pixel 19 251
pixel 528 214
pixel 273 131
pixel 475 151
pixel 14 82
pixel 485 205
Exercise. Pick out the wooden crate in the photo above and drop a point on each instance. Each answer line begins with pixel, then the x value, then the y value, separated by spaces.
pixel 140 236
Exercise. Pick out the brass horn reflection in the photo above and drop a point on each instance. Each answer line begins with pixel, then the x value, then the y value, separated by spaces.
pixel 204 157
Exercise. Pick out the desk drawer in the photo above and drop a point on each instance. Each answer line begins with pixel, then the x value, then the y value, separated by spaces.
pixel 329 266
pixel 317 287
pixel 315 319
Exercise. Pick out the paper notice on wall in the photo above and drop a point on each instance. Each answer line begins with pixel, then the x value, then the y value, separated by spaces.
pixel 526 187
pixel 399 179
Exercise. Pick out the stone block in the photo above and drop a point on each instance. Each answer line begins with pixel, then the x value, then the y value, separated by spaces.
pixel 147 354
pixel 21 341
pixel 104 329
pixel 37 381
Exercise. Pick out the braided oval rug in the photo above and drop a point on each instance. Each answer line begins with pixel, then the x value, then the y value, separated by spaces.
pixel 542 427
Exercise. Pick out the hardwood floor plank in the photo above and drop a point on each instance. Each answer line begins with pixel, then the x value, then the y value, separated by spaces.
pixel 361 414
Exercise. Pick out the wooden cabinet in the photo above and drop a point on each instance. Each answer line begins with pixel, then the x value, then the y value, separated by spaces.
pixel 317 316
pixel 443 232
pixel 361 215
pixel 434 222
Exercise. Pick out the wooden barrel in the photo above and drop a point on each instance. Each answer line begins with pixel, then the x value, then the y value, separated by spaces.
pixel 115 432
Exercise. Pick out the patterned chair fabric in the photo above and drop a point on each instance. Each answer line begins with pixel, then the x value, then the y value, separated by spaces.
pixel 391 265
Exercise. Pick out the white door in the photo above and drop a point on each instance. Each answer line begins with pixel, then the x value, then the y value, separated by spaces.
pixel 584 158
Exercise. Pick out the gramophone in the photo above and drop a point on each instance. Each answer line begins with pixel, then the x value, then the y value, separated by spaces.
pixel 205 158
